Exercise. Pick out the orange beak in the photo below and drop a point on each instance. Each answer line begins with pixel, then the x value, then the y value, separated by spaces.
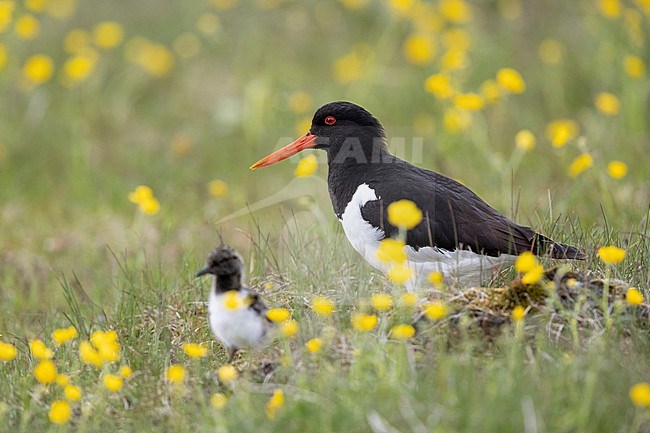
pixel 305 142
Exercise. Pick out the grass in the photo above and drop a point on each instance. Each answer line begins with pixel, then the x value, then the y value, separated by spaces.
pixel 75 251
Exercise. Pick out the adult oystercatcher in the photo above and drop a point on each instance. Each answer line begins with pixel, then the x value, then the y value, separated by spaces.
pixel 237 314
pixel 460 235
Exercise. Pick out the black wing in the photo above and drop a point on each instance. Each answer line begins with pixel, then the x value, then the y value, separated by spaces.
pixel 256 304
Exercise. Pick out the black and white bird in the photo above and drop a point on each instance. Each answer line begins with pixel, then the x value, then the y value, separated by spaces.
pixel 237 314
pixel 460 235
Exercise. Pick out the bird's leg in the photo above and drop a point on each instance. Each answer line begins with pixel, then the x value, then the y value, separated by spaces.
pixel 233 352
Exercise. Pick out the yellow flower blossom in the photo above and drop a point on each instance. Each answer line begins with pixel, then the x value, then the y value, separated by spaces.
pixel 634 296
pixel 45 372
pixel 112 382
pixel 607 103
pixel 391 251
pixel 39 350
pixel 289 328
pixel 27 27
pixel 436 278
pixel 150 206
pixel 300 102
pixel 399 274
pixel 525 262
pixel 306 167
pixel 490 91
pixel 402 332
pixel 617 169
pixel 533 275
pixel 194 350
pixel 323 306
pixel 36 5
pixel 381 301
pixel 511 80
pixel 408 299
pixel 38 69
pixel 76 41
pixel 640 394
pixel 227 373
pixel 89 354
pixel 314 345
pixel 125 371
pixel 278 314
pixel 364 322
pixel 610 8
pixel 60 412
pixel 275 403
pixel 469 102
pixel 140 194
pixel 456 121
pixel 456 39
pixel 579 164
pixel 440 86
pixel 419 49
pixel 401 7
pixel 175 373
pixel 107 346
pixel 79 67
pixel 348 68
pixel 156 59
pixel 559 132
pixel 404 214
pixel 525 140
pixel 62 379
pixel 218 188
pixel 218 400
pixel 435 310
pixel 551 51
pixel 7 351
pixel 611 255
pixel 232 300
pixel 518 313
pixel 455 11
pixel 634 66
pixel 6 13
pixel 72 392
pixel 63 335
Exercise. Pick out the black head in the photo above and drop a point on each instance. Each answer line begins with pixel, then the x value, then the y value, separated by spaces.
pixel 344 119
pixel 223 261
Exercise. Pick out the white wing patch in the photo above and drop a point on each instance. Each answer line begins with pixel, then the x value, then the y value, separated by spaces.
pixel 459 266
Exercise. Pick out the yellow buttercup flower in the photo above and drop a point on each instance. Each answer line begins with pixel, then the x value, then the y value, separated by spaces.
pixel 275 403
pixel 469 102
pixel 419 49
pixel 194 350
pixel 559 132
pixel 402 332
pixel 617 169
pixel 27 27
pixel 634 66
pixel 610 8
pixel 391 251
pixel 45 372
pixel 79 67
pixel 640 394
pixel 306 167
pixel 364 322
pixel 227 373
pixel 112 382
pixel 72 392
pixel 455 11
pixel 107 346
pixel 314 345
pixel 456 121
pixel 278 314
pixel 39 350
pixel 525 140
pixel 89 355
pixel 435 310
pixel 322 306
pixel 399 274
pixel 408 299
pixel 580 164
pixel 608 103
pixel 381 301
pixel 440 86
pixel 63 335
pixel 289 328
pixel 175 373
pixel 511 80
pixel 518 313
pixel 60 412
pixel 404 213
pixel 533 275
pixel 150 206
pixel 611 255
pixel 634 296
pixel 218 400
pixel 140 194
pixel 551 51
pixel 525 262
pixel 7 351
pixel 38 69
pixel 490 91
pixel 436 278
pixel 125 371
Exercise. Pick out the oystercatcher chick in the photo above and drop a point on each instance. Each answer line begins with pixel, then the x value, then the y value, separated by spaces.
pixel 237 314
pixel 460 235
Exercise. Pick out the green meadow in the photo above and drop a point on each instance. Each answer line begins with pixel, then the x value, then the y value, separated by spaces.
pixel 126 134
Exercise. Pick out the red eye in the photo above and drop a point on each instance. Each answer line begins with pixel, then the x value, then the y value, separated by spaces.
pixel 330 120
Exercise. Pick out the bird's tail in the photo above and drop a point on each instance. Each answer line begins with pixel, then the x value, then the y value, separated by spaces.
pixel 545 246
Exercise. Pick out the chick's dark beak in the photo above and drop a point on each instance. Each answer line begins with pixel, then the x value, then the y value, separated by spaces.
pixel 202 272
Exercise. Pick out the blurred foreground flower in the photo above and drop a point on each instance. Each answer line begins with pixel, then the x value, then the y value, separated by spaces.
pixel 7 351
pixel 399 274
pixel 322 306
pixel 79 67
pixel 525 262
pixel 419 49
pixel 511 80
pixel 307 166
pixel 381 301
pixel 440 86
pixel 469 102
pixel 525 140
pixel 617 169
pixel 435 310
pixel 175 373
pixel 314 345
pixel 218 400
pixel 364 322
pixel 607 103
pixel 143 197
pixel 275 403
pixel 640 394
pixel 60 412
pixel 518 313
pixel 289 328
pixel 408 299
pixel 611 255
pixel 112 382
pixel 634 66
pixel 125 371
pixel 39 350
pixel 559 132
pixel 63 335
pixel 633 296
pixel 391 251
pixel 194 350
pixel 72 393
pixel 27 26
pixel 108 34
pixel 580 164
pixel 402 332
pixel 154 58
pixel 38 69
pixel 102 348
pixel 278 314
pixel 45 372
pixel 227 373
pixel 404 214
pixel 436 278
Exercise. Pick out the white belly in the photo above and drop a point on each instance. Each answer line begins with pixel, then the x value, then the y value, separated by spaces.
pixel 460 266
pixel 240 328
